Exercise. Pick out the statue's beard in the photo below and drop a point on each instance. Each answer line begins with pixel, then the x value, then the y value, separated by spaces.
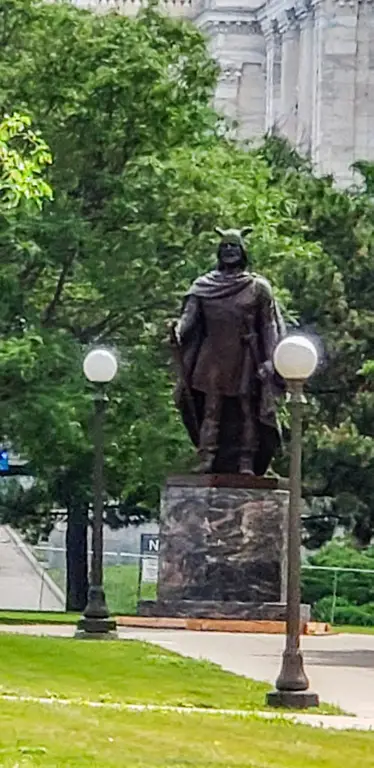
pixel 231 262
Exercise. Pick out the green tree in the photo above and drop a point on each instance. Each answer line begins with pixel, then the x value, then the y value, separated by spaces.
pixel 339 443
pixel 23 159
pixel 141 175
pixel 107 92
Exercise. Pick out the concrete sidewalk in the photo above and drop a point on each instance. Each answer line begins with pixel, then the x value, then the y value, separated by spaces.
pixel 340 667
pixel 21 584
pixel 328 722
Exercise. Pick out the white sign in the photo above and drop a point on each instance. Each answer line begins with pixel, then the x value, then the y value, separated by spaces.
pixel 150 570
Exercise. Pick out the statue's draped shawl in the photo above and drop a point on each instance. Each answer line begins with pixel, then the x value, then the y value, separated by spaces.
pixel 219 285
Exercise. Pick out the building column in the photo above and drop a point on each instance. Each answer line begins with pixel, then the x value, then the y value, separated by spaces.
pixel 226 95
pixel 337 35
pixel 272 38
pixel 289 81
pixel 317 71
pixel 277 76
pixel 252 87
pixel 270 59
pixel 305 85
pixel 239 48
pixel 364 85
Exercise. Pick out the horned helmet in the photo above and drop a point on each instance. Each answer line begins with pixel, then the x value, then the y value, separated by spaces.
pixel 233 237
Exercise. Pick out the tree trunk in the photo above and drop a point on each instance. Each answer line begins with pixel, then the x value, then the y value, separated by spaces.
pixel 76 558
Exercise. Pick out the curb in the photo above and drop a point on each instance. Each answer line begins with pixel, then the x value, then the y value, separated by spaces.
pixel 220 625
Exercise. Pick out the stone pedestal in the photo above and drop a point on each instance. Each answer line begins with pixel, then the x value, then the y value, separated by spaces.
pixel 222 548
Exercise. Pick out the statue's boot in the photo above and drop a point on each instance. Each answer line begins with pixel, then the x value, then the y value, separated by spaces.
pixel 249 446
pixel 208 444
pixel 246 464
pixel 206 462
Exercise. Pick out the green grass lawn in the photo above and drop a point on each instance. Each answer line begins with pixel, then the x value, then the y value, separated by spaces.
pixel 126 671
pixel 35 617
pixel 347 629
pixel 74 735
pixel 121 587
pixel 32 735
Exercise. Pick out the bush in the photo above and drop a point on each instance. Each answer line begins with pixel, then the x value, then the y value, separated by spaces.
pixel 355 591
pixel 357 588
pixel 345 612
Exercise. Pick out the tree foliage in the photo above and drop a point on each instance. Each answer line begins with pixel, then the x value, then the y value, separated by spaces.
pixel 339 439
pixel 23 159
pixel 142 172
pixel 108 93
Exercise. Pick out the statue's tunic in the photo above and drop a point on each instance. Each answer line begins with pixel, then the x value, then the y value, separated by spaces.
pixel 239 323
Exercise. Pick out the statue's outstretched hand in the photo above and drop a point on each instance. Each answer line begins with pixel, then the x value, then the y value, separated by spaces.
pixel 174 334
pixel 266 370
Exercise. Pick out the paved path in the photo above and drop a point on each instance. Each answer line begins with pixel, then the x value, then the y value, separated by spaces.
pixel 340 667
pixel 335 722
pixel 21 586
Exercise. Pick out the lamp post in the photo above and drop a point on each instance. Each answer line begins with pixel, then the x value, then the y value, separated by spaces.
pixel 100 367
pixel 295 359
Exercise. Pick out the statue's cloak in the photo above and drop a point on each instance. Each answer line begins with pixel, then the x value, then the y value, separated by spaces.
pixel 247 290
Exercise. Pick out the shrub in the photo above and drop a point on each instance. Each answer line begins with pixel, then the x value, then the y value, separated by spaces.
pixel 357 588
pixel 345 612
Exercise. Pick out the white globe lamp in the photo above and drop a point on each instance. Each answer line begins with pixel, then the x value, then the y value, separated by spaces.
pixel 100 366
pixel 295 358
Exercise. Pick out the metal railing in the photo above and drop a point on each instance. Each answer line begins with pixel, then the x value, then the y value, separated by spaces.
pixel 122 571
pixel 34 577
pixel 336 571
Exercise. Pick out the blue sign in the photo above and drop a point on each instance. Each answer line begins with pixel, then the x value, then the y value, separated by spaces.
pixel 4 460
pixel 149 544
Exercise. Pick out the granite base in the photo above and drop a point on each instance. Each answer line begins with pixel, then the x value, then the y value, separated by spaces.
pixel 223 538
pixel 223 550
pixel 204 609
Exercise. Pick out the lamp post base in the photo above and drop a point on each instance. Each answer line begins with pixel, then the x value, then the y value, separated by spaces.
pixel 292 699
pixel 96 629
pixel 96 623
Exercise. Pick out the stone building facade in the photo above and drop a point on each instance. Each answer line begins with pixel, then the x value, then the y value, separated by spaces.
pixel 305 67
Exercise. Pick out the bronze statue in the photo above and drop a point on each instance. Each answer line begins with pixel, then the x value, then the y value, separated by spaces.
pixel 224 343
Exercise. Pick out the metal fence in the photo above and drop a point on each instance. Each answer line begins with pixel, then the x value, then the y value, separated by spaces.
pixel 34 577
pixel 336 591
pixel 123 572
